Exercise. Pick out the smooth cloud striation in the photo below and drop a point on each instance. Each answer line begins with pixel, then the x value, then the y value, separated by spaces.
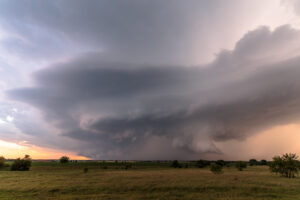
pixel 127 110
pixel 169 32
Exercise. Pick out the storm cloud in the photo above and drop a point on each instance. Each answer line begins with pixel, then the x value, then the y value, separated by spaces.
pixel 129 110
pixel 160 32
pixel 135 79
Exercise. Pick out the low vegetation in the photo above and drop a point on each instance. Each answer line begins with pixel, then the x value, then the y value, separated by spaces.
pixel 164 180
pixel 145 180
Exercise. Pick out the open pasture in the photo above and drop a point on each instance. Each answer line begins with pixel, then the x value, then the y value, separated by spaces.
pixel 144 180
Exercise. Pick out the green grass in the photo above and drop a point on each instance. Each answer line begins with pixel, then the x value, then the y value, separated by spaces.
pixel 143 181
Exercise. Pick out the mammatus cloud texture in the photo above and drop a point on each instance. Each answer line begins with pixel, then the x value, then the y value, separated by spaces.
pixel 120 109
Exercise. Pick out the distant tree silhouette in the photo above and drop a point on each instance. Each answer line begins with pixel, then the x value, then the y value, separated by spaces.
pixel 23 164
pixel 64 159
pixel 2 161
pixel 202 163
pixel 220 162
pixel 253 162
pixel 263 162
pixel 215 168
pixel 240 165
pixel 176 164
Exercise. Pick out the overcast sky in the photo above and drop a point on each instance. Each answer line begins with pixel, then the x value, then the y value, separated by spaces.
pixel 135 79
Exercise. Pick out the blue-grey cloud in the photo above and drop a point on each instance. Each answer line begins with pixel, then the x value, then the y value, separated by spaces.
pixel 133 30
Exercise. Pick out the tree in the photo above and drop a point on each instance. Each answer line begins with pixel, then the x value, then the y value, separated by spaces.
pixel 64 159
pixel 23 164
pixel 220 162
pixel 277 165
pixel 263 162
pixel 202 163
pixel 286 165
pixel 176 164
pixel 2 161
pixel 215 168
pixel 253 162
pixel 240 165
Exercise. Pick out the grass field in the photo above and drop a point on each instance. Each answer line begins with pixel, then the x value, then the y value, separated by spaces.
pixel 56 181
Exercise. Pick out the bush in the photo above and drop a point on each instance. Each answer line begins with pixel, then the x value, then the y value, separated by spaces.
pixel 2 161
pixel 240 165
pixel 253 162
pixel 202 163
pixel 176 164
pixel 64 159
pixel 215 168
pixel 23 164
pixel 286 165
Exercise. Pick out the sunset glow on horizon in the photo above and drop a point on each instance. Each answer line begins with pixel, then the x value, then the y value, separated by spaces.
pixel 12 151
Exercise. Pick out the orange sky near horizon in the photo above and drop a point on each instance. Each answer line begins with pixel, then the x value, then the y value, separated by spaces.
pixel 12 150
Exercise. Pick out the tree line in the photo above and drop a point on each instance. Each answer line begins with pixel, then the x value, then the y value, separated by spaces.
pixel 24 164
pixel 286 165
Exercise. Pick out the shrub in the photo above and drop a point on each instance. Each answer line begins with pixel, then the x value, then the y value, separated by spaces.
pixel 253 162
pixel 202 163
pixel 23 164
pixel 176 164
pixel 64 159
pixel 2 161
pixel 286 165
pixel 240 165
pixel 215 168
